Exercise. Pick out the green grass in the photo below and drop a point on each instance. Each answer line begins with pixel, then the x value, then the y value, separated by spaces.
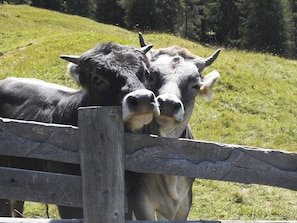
pixel 254 103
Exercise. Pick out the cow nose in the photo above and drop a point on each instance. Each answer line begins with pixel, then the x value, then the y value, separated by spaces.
pixel 171 106
pixel 140 102
pixel 137 100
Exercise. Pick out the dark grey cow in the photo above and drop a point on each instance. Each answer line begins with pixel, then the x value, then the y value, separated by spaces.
pixel 175 77
pixel 110 74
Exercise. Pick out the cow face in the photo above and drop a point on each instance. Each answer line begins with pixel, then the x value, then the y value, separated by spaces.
pixel 175 77
pixel 113 74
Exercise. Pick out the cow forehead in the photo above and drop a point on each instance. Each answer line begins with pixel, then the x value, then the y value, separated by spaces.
pixel 171 87
pixel 114 55
pixel 115 61
pixel 175 68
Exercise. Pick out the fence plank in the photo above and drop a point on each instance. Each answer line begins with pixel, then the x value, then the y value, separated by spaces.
pixel 200 159
pixel 102 164
pixel 17 184
pixel 209 160
pixel 33 220
pixel 38 140
pixel 30 220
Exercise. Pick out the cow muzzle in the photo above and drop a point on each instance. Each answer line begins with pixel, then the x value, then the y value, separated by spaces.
pixel 171 110
pixel 139 109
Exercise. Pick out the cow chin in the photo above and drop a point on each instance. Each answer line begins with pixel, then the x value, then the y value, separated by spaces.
pixel 166 120
pixel 137 121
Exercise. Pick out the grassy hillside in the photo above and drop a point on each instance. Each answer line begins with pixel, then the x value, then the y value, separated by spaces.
pixel 254 104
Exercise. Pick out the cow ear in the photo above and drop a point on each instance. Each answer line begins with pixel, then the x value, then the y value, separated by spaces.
pixel 71 58
pixel 74 71
pixel 202 63
pixel 206 89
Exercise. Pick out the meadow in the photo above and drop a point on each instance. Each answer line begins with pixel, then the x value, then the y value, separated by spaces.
pixel 255 101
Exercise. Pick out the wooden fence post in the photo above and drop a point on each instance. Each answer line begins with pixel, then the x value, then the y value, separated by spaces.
pixel 101 143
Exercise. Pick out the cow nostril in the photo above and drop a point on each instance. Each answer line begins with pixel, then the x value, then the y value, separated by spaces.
pixel 160 100
pixel 133 101
pixel 161 103
pixel 152 98
pixel 176 106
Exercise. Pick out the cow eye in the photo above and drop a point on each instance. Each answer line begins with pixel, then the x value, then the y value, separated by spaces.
pixel 196 87
pixel 152 80
pixel 100 83
pixel 143 76
pixel 153 77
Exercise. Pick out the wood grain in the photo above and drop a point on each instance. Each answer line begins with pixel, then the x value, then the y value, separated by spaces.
pixel 102 164
pixel 17 184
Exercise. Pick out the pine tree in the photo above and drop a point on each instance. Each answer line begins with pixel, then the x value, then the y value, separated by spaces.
pixel 290 14
pixel 157 15
pixel 85 8
pixel 225 17
pixel 57 5
pixel 263 26
pixel 191 24
pixel 110 12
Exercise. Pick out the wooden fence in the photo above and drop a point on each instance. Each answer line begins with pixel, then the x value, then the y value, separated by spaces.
pixel 104 151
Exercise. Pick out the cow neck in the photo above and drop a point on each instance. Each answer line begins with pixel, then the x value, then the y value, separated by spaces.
pixel 66 112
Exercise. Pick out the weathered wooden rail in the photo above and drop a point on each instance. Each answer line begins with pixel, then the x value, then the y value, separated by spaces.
pixel 103 150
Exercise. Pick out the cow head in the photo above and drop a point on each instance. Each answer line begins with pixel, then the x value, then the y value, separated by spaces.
pixel 175 77
pixel 114 74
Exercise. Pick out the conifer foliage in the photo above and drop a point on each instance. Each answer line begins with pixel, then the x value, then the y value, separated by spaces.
pixel 262 25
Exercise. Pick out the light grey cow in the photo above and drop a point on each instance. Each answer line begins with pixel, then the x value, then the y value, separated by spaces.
pixel 175 78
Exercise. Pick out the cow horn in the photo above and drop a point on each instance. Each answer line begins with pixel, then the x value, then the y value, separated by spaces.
pixel 141 40
pixel 202 63
pixel 212 58
pixel 146 48
pixel 71 58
